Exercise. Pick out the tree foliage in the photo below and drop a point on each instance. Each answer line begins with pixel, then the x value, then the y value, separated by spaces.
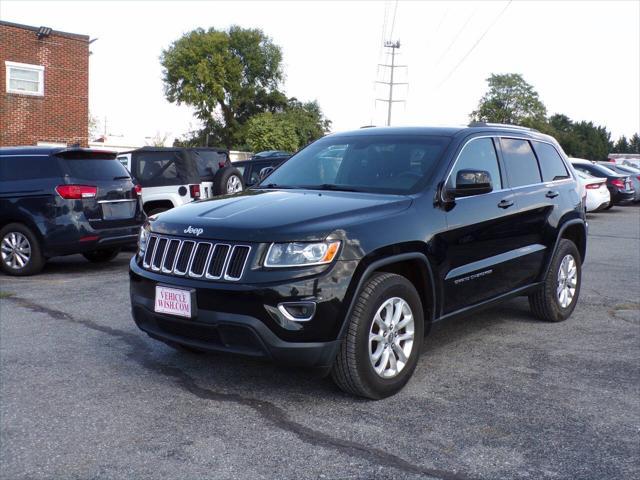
pixel 227 76
pixel 511 100
pixel 268 131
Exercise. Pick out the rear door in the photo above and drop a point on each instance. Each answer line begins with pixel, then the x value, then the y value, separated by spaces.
pixel 115 202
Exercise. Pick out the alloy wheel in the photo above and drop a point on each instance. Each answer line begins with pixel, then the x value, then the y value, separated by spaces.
pixel 567 281
pixel 391 337
pixel 15 250
pixel 234 185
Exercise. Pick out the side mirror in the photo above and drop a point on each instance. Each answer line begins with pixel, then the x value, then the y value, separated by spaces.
pixel 265 172
pixel 471 182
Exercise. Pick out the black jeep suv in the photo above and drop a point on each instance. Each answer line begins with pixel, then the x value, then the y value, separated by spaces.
pixel 344 256
pixel 59 201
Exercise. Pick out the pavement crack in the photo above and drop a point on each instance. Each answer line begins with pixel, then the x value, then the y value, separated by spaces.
pixel 141 354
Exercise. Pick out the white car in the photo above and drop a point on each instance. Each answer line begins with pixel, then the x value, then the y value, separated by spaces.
pixel 171 177
pixel 596 191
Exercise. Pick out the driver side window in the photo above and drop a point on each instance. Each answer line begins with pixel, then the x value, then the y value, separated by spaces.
pixel 479 154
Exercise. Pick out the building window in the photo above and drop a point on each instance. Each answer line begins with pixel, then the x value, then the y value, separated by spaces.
pixel 24 78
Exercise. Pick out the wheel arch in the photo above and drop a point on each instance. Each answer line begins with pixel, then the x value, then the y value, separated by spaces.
pixel 574 230
pixel 151 204
pixel 415 267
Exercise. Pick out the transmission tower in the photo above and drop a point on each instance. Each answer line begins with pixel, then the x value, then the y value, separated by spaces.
pixel 390 101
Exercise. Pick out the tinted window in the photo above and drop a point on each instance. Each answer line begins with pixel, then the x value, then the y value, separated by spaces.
pixel 162 168
pixel 372 163
pixel 521 163
pixel 551 163
pixel 95 169
pixel 208 162
pixel 28 168
pixel 478 154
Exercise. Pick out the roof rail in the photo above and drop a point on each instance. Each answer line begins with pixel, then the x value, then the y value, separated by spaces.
pixel 501 125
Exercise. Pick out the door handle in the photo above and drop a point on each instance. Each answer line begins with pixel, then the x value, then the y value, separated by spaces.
pixel 552 194
pixel 505 203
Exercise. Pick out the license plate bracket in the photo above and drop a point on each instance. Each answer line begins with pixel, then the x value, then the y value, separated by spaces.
pixel 180 302
pixel 118 210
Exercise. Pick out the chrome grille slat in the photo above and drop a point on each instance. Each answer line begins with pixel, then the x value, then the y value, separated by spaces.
pixel 206 259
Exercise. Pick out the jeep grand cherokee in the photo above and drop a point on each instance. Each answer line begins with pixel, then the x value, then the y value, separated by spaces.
pixel 344 256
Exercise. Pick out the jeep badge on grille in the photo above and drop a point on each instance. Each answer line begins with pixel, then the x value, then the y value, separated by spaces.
pixel 196 231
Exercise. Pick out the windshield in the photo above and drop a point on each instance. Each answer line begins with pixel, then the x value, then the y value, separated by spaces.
pixel 375 163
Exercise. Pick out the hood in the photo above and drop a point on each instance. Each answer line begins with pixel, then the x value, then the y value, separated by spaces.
pixel 277 215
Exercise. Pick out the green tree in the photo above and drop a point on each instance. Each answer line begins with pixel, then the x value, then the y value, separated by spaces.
pixel 622 145
pixel 307 119
pixel 634 144
pixel 227 76
pixel 511 100
pixel 268 131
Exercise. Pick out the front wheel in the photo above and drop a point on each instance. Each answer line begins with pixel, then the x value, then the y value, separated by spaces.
pixel 101 256
pixel 384 335
pixel 228 180
pixel 557 298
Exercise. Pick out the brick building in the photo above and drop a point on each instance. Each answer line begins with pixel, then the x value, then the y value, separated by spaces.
pixel 44 77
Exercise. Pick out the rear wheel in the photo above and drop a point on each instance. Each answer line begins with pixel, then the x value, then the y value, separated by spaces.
pixel 384 335
pixel 20 252
pixel 556 300
pixel 101 256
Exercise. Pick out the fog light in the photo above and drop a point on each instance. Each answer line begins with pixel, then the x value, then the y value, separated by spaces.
pixel 297 311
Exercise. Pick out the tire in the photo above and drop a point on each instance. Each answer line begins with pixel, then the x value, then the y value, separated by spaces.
pixel 545 303
pixel 228 180
pixel 354 368
pixel 24 240
pixel 101 256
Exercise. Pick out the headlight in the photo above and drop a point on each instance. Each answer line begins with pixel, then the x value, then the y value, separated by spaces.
pixel 298 254
pixel 143 239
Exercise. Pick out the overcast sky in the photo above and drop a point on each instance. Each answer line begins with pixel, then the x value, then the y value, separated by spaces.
pixel 582 57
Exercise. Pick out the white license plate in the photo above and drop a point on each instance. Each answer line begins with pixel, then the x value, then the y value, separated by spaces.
pixel 173 301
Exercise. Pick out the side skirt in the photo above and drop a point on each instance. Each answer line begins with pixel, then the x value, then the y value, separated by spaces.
pixel 491 302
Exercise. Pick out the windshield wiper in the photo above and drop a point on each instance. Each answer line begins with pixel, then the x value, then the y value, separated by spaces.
pixel 123 177
pixel 333 187
pixel 275 185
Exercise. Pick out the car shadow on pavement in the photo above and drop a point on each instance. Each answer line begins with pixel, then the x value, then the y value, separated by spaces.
pixel 77 264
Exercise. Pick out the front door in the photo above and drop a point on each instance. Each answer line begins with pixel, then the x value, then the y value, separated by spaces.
pixel 479 242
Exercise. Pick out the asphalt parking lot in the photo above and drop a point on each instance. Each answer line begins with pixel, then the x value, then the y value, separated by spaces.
pixel 85 394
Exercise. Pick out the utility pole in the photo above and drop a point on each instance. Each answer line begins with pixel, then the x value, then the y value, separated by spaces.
pixel 390 101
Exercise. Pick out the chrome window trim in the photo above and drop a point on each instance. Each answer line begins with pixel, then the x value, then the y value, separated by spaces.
pixel 204 268
pixel 244 264
pixel 224 264
pixel 567 165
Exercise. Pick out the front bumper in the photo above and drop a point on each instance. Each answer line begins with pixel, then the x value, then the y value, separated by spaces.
pixel 239 318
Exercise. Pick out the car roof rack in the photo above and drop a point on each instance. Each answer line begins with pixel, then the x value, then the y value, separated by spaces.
pixel 501 125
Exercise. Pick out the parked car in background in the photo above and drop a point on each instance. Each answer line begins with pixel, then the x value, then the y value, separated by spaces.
pixel 619 186
pixel 343 261
pixel 633 173
pixel 596 193
pixel 271 153
pixel 171 177
pixel 255 170
pixel 628 161
pixel 61 201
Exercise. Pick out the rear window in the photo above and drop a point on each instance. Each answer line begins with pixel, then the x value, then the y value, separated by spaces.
pixel 14 168
pixel 164 168
pixel 95 169
pixel 208 162
pixel 521 163
pixel 551 163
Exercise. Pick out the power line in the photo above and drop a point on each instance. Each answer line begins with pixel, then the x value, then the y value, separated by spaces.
pixel 393 23
pixel 455 38
pixel 475 44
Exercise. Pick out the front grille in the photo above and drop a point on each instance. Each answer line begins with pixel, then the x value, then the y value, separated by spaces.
pixel 196 259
